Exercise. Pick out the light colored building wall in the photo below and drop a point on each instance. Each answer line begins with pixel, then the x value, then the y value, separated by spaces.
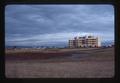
pixel 71 43
pixel 79 43
pixel 99 41
pixel 87 41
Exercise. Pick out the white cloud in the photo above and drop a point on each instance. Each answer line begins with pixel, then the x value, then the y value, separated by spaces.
pixel 57 23
pixel 52 38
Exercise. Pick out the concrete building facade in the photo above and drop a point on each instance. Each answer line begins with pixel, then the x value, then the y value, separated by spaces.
pixel 86 41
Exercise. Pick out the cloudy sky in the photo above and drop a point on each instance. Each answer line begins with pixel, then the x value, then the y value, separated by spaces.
pixel 55 24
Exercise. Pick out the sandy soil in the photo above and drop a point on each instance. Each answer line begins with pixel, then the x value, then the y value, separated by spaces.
pixel 94 63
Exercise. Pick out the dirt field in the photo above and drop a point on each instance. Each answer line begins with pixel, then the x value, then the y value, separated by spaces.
pixel 60 63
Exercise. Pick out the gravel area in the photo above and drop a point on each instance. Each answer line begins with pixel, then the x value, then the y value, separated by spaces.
pixel 79 69
pixel 99 64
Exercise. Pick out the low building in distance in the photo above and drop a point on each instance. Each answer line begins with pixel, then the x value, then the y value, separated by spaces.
pixel 85 41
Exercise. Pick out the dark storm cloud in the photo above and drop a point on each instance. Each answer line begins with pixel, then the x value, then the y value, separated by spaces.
pixel 41 23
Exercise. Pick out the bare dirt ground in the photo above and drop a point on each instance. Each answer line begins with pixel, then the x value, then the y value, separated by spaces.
pixel 60 63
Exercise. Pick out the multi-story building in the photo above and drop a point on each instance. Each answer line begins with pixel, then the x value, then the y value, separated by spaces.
pixel 86 41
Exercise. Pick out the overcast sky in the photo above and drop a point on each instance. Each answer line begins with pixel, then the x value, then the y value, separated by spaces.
pixel 54 24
